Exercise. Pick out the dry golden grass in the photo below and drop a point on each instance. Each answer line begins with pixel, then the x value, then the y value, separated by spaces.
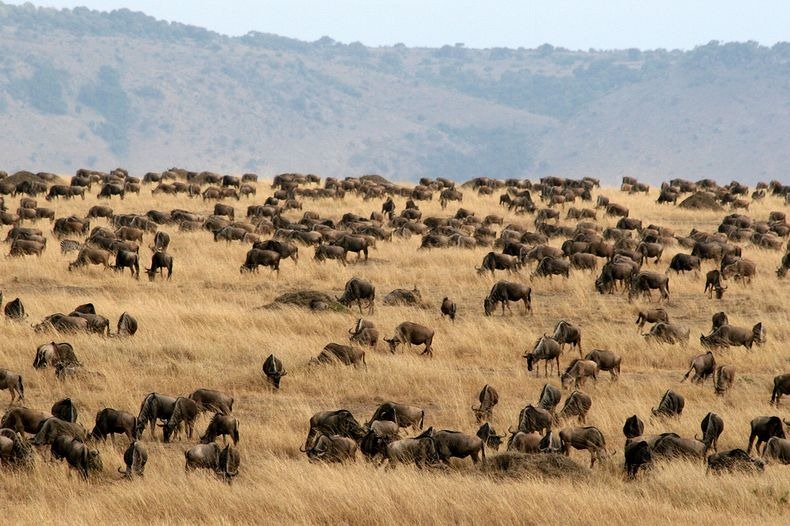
pixel 202 330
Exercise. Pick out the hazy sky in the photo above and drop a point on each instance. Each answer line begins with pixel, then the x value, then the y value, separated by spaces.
pixel 575 24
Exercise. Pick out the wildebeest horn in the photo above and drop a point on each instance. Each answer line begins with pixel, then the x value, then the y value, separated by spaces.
pixel 509 430
pixel 121 471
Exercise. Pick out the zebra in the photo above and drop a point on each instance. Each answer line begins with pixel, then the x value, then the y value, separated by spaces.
pixel 69 245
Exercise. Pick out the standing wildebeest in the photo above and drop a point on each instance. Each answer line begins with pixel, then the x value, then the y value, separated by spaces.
pixel 606 360
pixel 54 427
pixel 335 352
pixel 651 316
pixel 712 427
pixel 410 333
pixel 684 263
pixel 23 420
pixel 743 270
pixel 549 397
pixel 224 462
pixel 126 259
pixel 727 335
pixel 110 421
pixel 127 325
pixel 211 400
pixel 65 410
pixel 546 348
pixel 778 449
pixel 154 407
pixel 713 284
pixel 402 414
pixel 77 455
pixel 577 404
pixel 703 366
pixel 51 354
pixel 550 266
pixel 723 379
pixel 15 310
pixel 185 411
pixel 224 425
pixel 781 387
pixel 505 292
pixel 448 308
pixel 577 373
pixel 613 272
pixel 324 252
pixel 488 399
pixel 94 256
pixel 274 370
pixel 633 427
pixel 357 289
pixel 340 422
pixel 644 281
pixel 671 404
pixel 256 258
pixel 582 261
pixel 763 428
pixel 589 438
pixel 637 456
pixel 533 418
pixel 13 382
pixel 135 457
pixel 161 242
pixel 493 261
pixel 565 333
pixel 421 451
pixel 650 250
pixel 364 332
pixel 160 261
pixel 459 445
pixel 353 244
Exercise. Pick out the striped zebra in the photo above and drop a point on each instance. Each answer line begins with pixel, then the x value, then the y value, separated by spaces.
pixel 69 245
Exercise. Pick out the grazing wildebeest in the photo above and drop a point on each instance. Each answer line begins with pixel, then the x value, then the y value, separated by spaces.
pixel 333 448
pixel 77 455
pixel 684 263
pixel 154 407
pixel 533 418
pixel 643 282
pixel 637 456
pixel 93 256
pixel 51 354
pixel 777 449
pixel 420 451
pixel 324 252
pixel 589 438
pixel 256 258
pixel 448 308
pixel 607 361
pixel 565 333
pixel 135 458
pixel 357 290
pixel 224 425
pixel 651 316
pixel 161 242
pixel 364 332
pixel 577 373
pixel 743 270
pixel 488 399
pixel 550 266
pixel 668 333
pixel 493 261
pixel 455 444
pixel 781 387
pixel 784 264
pixel 633 427
pixel 224 462
pixel 111 421
pixel 185 411
pixel 713 284
pixel 14 449
pixel 613 272
pixel 54 427
pixel 65 410
pixel 523 442
pixel 23 420
pixel 211 400
pixel 734 460
pixel 671 404
pixel 335 352
pixel 505 292
pixel 763 428
pixel 576 405
pixel 274 370
pixel 13 382
pixel 703 366
pixel 160 261
pixel 723 379
pixel 15 310
pixel 549 397
pixel 584 261
pixel 127 325
pixel 126 259
pixel 340 422
pixel 712 427
pixel 546 348
pixel 727 335
pixel 402 414
pixel 410 333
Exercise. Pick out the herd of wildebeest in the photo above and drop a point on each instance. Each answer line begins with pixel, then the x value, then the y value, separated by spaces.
pixel 624 253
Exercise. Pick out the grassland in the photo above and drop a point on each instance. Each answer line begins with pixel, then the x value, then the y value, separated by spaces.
pixel 203 329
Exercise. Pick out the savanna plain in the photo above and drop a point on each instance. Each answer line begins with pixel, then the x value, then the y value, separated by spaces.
pixel 205 328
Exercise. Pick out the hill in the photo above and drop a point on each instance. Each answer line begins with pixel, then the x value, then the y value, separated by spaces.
pixel 81 88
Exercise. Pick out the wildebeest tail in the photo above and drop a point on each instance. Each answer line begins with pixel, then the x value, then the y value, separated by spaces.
pixel 235 434
pixel 20 387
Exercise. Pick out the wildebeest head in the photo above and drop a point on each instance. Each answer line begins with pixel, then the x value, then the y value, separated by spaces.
pixel 488 435
pixel 488 305
pixel 393 343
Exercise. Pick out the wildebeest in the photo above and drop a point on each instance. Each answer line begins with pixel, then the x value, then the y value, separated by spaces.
pixel 781 387
pixel 488 399
pixel 127 325
pixel 533 418
pixel 111 421
pixel 712 427
pixel 51 354
pixel 670 446
pixel 323 252
pixel 606 360
pixel 577 373
pixel 410 333
pixel 546 348
pixel 224 425
pixel 185 411
pixel 161 242
pixel 651 316
pixel 668 333
pixel 14 448
pixel 224 462
pixel 154 407
pixel 448 308
pixel 333 448
pixel 583 261
pixel 550 266
pixel 23 420
pixel 211 400
pixel 763 428
pixel 13 382
pixel 357 290
pixel 643 282
pixel 160 261
pixel 135 458
pixel 274 370
pixel 455 444
pixel 633 427
pixel 364 332
pixel 577 405
pixel 256 258
pixel 402 414
pixel 723 379
pixel 650 250
pixel 713 284
pixel 703 366
pixel 15 310
pixel 340 422
pixel 93 256
pixel 637 456
pixel 613 272
pixel 671 404
pixel 743 270
pixel 718 320
pixel 420 451
pixel 335 352
pixel 77 454
pixel 126 259
pixel 65 410
pixel 589 438
pixel 565 333
pixel 734 460
pixel 54 427
pixel 353 244
pixel 777 449
pixel 505 292
pixel 549 397
pixel 728 335
pixel 683 263
pixel 493 261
